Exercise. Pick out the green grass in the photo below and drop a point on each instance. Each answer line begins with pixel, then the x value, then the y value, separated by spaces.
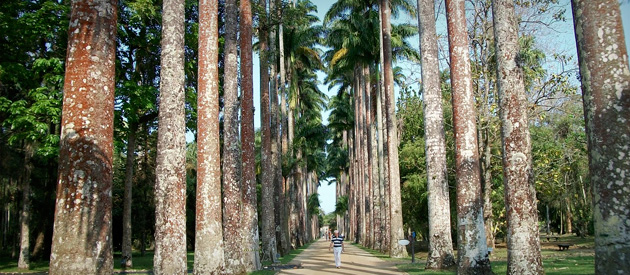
pixel 579 259
pixel 7 264
pixel 145 262
pixel 140 263
pixel 283 260
pixel 565 265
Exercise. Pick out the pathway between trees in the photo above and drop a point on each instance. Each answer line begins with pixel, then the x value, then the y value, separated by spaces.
pixel 318 260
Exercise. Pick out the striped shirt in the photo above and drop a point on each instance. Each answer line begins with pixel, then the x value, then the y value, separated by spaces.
pixel 337 241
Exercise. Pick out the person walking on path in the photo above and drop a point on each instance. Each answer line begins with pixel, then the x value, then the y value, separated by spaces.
pixel 337 245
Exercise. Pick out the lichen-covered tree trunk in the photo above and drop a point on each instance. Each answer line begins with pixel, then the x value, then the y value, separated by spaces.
pixel 472 250
pixel 284 239
pixel 170 186
pixel 606 94
pixel 369 157
pixel 396 232
pixel 351 185
pixel 232 199
pixel 82 234
pixel 486 180
pixel 25 214
pixel 127 196
pixel 520 196
pixel 358 118
pixel 267 202
pixel 248 188
pixel 440 241
pixel 209 254
pixel 382 143
pixel 367 201
pixel 377 209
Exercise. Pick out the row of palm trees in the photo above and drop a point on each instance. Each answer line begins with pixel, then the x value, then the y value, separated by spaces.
pixel 226 222
pixel 292 135
pixel 367 184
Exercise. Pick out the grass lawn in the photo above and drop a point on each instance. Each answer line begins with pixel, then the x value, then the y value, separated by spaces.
pixel 140 263
pixel 7 264
pixel 579 259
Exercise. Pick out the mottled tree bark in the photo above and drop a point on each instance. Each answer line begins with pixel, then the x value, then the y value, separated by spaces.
pixel 232 200
pixel 250 206
pixel 24 261
pixel 267 174
pixel 396 232
pixel 520 196
pixel 384 153
pixel 606 93
pixel 367 122
pixel 350 235
pixel 440 241
pixel 82 242
pixel 170 186
pixel 363 176
pixel 358 155
pixel 486 181
pixel 472 250
pixel 377 206
pixel 209 253
pixel 283 221
pixel 127 196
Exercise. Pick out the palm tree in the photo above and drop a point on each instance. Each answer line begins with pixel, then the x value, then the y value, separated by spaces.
pixel 248 188
pixel 606 94
pixel 297 43
pixel 471 240
pixel 353 25
pixel 208 227
pixel 82 242
pixel 440 242
pixel 267 173
pixel 520 196
pixel 170 208
pixel 232 184
pixel 396 231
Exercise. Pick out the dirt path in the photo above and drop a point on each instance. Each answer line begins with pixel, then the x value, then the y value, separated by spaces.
pixel 318 260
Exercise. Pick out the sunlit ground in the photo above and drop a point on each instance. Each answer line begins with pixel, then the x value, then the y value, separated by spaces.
pixel 578 259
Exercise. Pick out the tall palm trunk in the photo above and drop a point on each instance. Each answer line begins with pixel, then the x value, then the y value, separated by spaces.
pixel 382 146
pixel 273 98
pixel 248 188
pixel 365 185
pixel 170 187
pixel 82 234
pixel 374 174
pixel 440 241
pixel 127 197
pixel 25 215
pixel 209 253
pixel 520 196
pixel 304 200
pixel 232 200
pixel 267 174
pixel 358 101
pixel 486 180
pixel 606 93
pixel 351 187
pixel 369 209
pixel 396 232
pixel 344 229
pixel 283 201
pixel 472 256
